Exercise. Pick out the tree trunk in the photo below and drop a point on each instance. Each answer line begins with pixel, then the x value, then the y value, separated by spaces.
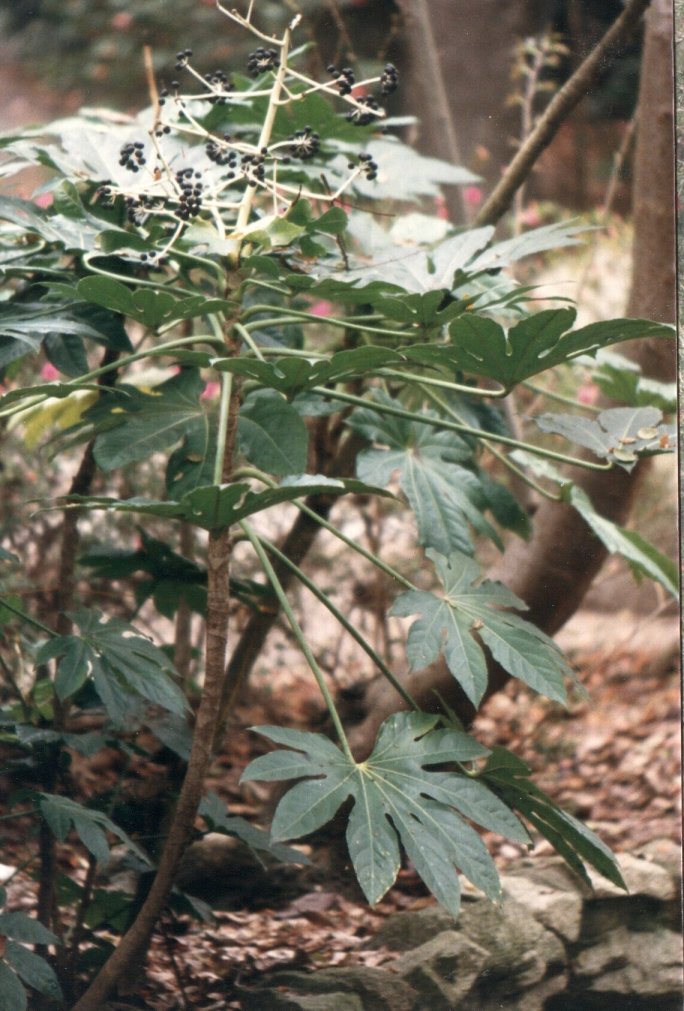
pixel 553 571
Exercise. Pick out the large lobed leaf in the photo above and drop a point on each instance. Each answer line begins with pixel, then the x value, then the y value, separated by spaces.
pixel 537 343
pixel 396 800
pixel 448 623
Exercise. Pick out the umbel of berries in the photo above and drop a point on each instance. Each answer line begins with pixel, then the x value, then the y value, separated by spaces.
pixel 262 60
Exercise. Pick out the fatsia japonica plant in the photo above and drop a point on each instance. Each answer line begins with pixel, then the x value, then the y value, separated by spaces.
pixel 189 249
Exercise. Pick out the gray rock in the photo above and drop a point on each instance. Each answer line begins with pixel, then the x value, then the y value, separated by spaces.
pixel 556 909
pixel 642 877
pixel 535 999
pixel 275 1000
pixel 629 962
pixel 376 989
pixel 442 970
pixel 404 931
pixel 665 853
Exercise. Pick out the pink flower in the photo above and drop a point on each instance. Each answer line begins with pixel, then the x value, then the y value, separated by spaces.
pixel 49 372
pixel 122 21
pixel 472 196
pixel 441 209
pixel 321 308
pixel 588 393
pixel 44 200
pixel 211 390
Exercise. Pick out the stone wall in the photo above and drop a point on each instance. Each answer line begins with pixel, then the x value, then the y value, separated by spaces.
pixel 552 945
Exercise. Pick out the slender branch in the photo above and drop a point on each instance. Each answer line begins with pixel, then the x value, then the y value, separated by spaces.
pixel 562 104
pixel 219 551
pixel 300 637
pixel 337 614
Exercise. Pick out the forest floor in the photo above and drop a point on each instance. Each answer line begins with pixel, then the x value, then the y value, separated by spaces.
pixel 612 759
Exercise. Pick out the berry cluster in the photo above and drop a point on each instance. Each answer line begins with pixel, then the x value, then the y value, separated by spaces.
pixel 344 78
pixel 132 156
pixel 221 155
pixel 220 84
pixel 389 80
pixel 253 167
pixel 190 200
pixel 365 112
pixel 182 58
pixel 304 143
pixel 262 60
pixel 369 167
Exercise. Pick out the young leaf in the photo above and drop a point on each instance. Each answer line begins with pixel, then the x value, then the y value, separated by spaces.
pixel 448 623
pixel 620 434
pixel 396 799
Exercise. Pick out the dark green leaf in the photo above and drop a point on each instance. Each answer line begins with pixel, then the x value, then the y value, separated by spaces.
pixel 20 927
pixel 12 993
pixel 272 435
pixel 34 970
pixel 146 423
pixel 445 496
pixel 537 343
pixel 61 813
pixel 214 812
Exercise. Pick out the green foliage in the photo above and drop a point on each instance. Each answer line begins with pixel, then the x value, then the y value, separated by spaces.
pixel 448 623
pixel 19 964
pixel 175 284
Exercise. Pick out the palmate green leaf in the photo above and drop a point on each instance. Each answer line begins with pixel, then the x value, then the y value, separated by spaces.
pixel 620 434
pixel 146 305
pixel 272 434
pixel 447 625
pixel 21 927
pixel 143 423
pixel 121 662
pixel 61 814
pixel 509 778
pixel 446 497
pixel 396 799
pixel 537 343
pixel 215 507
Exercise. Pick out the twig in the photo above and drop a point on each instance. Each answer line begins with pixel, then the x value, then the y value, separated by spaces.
pixel 558 110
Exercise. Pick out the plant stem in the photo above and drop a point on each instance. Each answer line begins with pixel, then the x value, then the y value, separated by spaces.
pixel 453 426
pixel 346 624
pixel 219 551
pixel 300 637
